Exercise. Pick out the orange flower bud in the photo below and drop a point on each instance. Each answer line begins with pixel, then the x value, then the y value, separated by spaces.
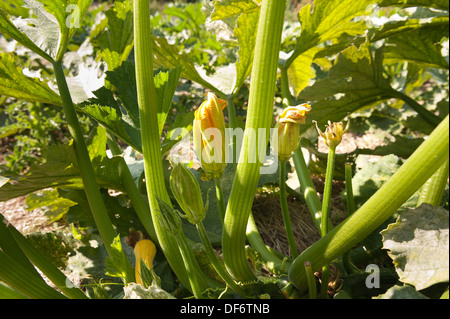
pixel 209 135
pixel 289 130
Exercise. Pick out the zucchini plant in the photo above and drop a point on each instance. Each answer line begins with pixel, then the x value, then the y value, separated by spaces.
pixel 247 80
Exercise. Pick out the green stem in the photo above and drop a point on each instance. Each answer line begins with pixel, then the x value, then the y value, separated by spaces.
pixel 421 110
pixel 419 167
pixel 350 209
pixel 271 258
pixel 215 261
pixel 287 97
pixel 94 197
pixel 433 190
pixel 306 184
pixel 325 221
pixel 98 209
pixel 192 275
pixel 349 189
pixel 312 288
pixel 112 144
pixel 259 116
pixel 220 199
pixel 285 211
pixel 150 134
pixel 140 205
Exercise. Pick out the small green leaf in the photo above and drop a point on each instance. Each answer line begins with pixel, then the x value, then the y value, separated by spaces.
pixel 116 263
pixel 418 243
pixel 41 27
pixel 245 32
pixel 166 82
pixel 116 41
pixel 300 71
pixel 68 14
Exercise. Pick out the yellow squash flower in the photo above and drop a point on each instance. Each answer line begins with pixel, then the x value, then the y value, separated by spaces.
pixel 146 250
pixel 209 135
pixel 333 133
pixel 289 130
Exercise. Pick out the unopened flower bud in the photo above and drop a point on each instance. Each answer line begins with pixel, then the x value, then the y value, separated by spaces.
pixel 209 135
pixel 168 218
pixel 187 192
pixel 333 133
pixel 289 130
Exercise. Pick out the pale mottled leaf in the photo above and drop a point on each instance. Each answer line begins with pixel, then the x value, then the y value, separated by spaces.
pixel 402 292
pixel 418 243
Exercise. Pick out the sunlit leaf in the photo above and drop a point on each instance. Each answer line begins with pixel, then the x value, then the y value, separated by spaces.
pixel 420 46
pixel 355 81
pixel 116 41
pixel 328 19
pixel 232 8
pixel 245 32
pixel 15 84
pixel 438 4
pixel 169 56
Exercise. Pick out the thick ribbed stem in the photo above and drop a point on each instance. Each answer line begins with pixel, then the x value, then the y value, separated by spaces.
pixel 259 116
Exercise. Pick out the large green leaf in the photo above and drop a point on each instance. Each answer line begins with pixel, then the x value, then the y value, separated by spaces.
pixel 14 7
pixel 355 81
pixel 327 20
pixel 15 84
pixel 58 170
pixel 169 56
pixel 418 243
pixel 420 46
